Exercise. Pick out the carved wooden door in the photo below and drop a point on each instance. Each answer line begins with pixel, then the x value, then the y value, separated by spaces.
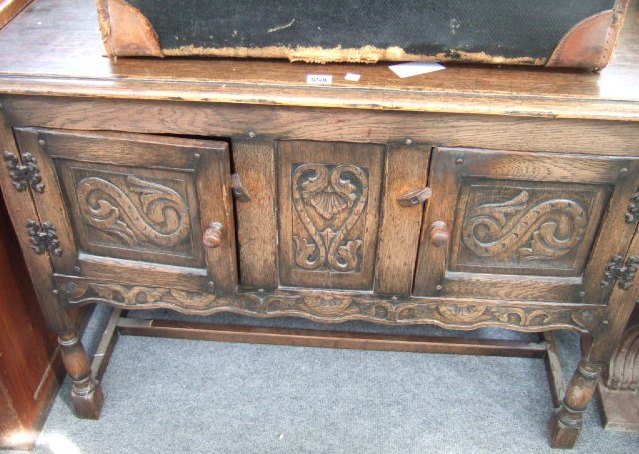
pixel 343 221
pixel 134 208
pixel 523 226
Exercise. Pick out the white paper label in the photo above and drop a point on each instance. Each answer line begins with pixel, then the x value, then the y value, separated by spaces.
pixel 319 79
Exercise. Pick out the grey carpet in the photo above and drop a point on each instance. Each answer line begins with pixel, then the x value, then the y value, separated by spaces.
pixel 177 396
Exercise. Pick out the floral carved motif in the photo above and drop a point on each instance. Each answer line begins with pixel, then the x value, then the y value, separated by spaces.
pixel 136 296
pixel 329 201
pixel 141 212
pixel 327 307
pixel 545 230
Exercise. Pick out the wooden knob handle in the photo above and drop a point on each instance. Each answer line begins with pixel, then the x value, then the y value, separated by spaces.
pixel 213 235
pixel 439 235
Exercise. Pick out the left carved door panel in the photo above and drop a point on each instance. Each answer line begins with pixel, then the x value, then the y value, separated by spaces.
pixel 136 208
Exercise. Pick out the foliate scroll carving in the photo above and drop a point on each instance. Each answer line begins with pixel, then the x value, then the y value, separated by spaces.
pixel 545 230
pixel 141 212
pixel 26 174
pixel 329 201
pixel 141 297
pixel 331 307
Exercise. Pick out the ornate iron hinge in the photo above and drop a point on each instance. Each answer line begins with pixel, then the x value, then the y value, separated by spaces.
pixel 43 237
pixel 633 209
pixel 24 174
pixel 616 270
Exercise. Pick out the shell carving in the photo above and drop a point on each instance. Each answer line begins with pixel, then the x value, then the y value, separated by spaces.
pixel 329 201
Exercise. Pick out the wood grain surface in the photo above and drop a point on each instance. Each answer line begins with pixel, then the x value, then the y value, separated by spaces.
pixel 56 49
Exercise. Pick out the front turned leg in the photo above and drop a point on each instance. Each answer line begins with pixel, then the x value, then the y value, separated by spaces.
pixel 567 421
pixel 86 393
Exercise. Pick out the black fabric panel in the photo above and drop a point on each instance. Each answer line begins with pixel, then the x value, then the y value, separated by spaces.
pixel 509 28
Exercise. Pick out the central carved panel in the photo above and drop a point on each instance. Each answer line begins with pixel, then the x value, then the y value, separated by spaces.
pixel 329 195
pixel 530 229
pixel 329 201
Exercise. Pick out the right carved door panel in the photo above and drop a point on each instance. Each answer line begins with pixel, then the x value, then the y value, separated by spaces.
pixel 527 226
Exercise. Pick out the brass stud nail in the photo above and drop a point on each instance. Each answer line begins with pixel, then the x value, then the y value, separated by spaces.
pixel 439 288
pixel 252 135
pixel 605 322
pixel 55 292
pixel 76 269
pixel 582 294
pixel 42 142
pixel 196 156
pixel 623 171
pixel 459 161
pixel 409 141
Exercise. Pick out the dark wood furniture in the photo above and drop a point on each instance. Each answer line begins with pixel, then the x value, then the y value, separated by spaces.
pixel 30 366
pixel 470 197
pixel 619 389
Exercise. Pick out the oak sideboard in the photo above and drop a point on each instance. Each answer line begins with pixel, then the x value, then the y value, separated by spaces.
pixel 466 198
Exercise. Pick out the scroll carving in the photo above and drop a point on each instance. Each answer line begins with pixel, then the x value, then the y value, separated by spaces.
pixel 137 296
pixel 332 307
pixel 143 212
pixel 329 201
pixel 547 230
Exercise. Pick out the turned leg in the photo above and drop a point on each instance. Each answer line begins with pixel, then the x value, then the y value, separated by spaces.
pixel 86 393
pixel 567 421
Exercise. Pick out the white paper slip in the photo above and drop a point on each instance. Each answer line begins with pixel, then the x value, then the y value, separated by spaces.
pixel 319 79
pixel 353 77
pixel 415 68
